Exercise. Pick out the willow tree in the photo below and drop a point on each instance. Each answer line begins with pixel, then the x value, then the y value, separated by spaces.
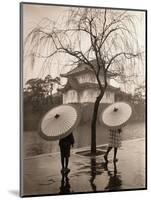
pixel 85 34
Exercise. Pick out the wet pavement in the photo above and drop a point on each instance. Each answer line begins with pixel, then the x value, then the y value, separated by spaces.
pixel 88 174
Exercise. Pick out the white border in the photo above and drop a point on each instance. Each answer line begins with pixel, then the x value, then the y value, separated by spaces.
pixel 9 99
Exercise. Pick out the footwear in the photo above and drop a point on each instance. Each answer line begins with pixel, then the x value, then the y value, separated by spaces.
pixel 105 158
pixel 115 160
pixel 67 170
pixel 62 170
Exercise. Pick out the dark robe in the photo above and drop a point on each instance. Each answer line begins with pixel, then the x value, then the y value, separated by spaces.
pixel 65 145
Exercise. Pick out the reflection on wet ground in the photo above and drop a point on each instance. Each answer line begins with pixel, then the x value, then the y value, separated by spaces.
pixel 95 168
pixel 65 185
pixel 88 174
pixel 115 181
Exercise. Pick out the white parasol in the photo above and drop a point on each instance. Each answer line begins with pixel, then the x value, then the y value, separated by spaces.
pixel 59 122
pixel 116 115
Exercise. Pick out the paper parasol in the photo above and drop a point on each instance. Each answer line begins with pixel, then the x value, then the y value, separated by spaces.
pixel 116 115
pixel 59 122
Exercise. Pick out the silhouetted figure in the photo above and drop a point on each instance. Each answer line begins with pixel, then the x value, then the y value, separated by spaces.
pixel 65 145
pixel 114 142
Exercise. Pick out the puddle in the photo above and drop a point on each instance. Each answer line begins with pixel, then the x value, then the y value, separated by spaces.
pixel 88 153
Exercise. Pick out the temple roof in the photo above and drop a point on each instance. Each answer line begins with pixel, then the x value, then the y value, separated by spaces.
pixel 72 83
pixel 82 68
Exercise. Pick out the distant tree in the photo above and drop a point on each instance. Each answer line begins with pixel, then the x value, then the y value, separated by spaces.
pixel 104 35
pixel 40 91
pixel 139 94
pixel 50 84
pixel 36 90
pixel 35 86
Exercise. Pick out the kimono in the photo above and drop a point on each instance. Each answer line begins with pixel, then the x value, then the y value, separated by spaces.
pixel 65 145
pixel 115 138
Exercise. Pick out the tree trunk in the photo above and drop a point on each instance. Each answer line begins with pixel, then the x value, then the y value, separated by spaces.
pixel 93 123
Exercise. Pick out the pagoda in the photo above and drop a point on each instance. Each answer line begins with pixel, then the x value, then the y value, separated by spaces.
pixel 82 86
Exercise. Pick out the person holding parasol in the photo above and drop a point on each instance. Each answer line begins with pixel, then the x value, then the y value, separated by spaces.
pixel 58 124
pixel 115 117
pixel 65 145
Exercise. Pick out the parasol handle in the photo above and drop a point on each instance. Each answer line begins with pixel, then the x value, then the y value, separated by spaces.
pixel 56 116
pixel 115 109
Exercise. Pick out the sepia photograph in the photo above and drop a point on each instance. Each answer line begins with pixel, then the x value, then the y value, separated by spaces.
pixel 83 99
